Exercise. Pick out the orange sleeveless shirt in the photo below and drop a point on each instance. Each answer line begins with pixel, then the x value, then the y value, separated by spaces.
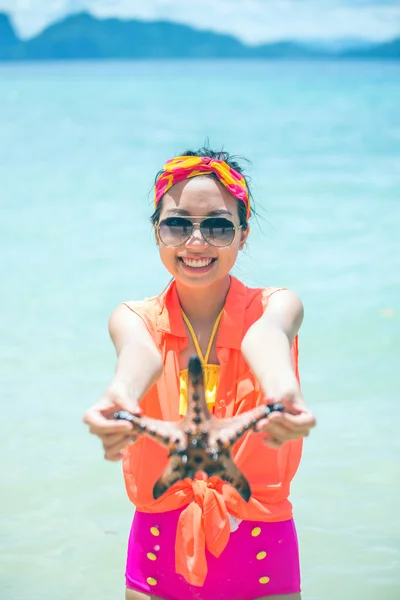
pixel 205 521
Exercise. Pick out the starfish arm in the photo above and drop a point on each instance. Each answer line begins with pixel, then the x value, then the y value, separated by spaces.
pixel 174 471
pixel 226 469
pixel 227 432
pixel 166 432
pixel 197 415
pixel 235 477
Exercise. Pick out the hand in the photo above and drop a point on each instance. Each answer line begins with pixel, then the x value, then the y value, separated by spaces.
pixel 114 434
pixel 292 424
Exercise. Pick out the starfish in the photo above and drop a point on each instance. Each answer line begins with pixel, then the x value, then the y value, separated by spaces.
pixel 199 441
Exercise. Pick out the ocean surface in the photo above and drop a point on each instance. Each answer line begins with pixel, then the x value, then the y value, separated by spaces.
pixel 80 145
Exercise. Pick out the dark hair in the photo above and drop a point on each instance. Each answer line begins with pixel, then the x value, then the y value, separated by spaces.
pixel 232 162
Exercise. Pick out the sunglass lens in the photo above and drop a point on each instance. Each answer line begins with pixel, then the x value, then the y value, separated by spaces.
pixel 175 231
pixel 218 231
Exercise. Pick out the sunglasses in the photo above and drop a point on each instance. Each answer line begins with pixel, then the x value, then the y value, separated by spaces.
pixel 216 231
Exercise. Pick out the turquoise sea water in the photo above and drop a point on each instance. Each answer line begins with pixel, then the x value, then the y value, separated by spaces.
pixel 79 147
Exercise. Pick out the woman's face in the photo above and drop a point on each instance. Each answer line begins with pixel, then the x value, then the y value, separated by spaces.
pixel 197 263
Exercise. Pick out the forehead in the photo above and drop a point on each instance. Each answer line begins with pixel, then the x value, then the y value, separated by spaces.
pixel 198 196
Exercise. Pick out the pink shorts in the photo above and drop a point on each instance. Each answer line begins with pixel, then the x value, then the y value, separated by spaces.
pixel 261 559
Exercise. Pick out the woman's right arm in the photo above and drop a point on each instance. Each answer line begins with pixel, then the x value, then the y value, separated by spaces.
pixel 139 365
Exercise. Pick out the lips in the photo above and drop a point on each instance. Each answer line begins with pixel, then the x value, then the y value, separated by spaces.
pixel 197 263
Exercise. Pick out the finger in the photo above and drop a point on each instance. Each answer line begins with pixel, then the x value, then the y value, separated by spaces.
pixel 298 423
pixel 113 452
pixel 114 458
pixel 135 410
pixel 112 439
pixel 100 425
pixel 272 442
pixel 291 407
pixel 261 425
pixel 108 411
pixel 281 433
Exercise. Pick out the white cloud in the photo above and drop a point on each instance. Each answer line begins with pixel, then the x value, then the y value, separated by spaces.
pixel 252 20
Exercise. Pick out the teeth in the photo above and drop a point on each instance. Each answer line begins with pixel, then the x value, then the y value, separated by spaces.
pixel 203 262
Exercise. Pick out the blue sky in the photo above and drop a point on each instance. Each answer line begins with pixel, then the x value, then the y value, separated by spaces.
pixel 251 20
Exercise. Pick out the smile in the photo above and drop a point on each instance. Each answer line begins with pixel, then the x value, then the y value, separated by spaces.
pixel 197 263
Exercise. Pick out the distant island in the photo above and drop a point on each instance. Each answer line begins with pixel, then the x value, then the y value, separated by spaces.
pixel 84 37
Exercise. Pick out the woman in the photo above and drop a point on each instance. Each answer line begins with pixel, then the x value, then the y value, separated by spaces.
pixel 200 539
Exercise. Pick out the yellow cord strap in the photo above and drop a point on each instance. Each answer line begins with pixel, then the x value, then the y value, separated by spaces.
pixel 204 359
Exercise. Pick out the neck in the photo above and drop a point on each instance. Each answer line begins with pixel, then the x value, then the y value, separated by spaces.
pixel 202 305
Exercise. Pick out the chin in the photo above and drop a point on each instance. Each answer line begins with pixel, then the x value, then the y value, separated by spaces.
pixel 201 282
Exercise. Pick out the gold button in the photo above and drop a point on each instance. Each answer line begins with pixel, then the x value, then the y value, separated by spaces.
pixel 256 531
pixel 151 581
pixel 222 403
pixel 261 555
pixel 151 556
pixel 263 579
pixel 155 531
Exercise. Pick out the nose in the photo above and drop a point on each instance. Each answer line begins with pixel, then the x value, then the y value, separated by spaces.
pixel 196 239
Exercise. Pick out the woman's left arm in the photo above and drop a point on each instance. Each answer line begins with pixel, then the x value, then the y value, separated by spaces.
pixel 267 348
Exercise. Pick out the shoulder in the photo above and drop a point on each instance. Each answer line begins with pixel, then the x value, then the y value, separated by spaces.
pixel 277 306
pixel 132 318
pixel 260 294
pixel 284 310
pixel 148 305
pixel 272 296
pixel 282 299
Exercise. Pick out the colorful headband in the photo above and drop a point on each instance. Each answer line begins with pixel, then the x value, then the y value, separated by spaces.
pixel 184 167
